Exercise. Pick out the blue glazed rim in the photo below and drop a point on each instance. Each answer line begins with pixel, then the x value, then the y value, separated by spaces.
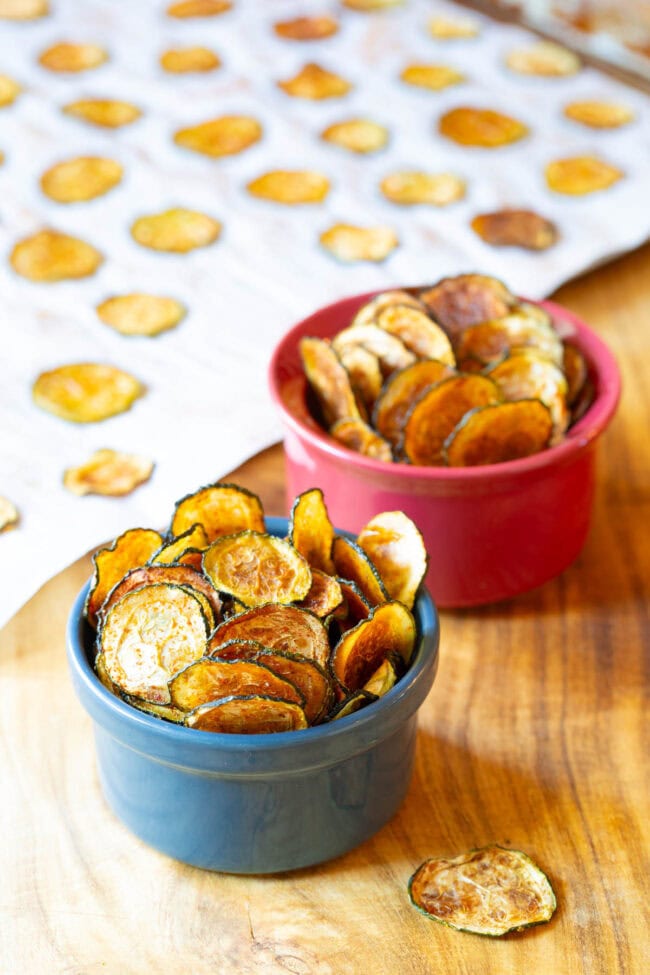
pixel 254 755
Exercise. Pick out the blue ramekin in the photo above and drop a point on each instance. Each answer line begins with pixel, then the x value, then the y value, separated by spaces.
pixel 255 803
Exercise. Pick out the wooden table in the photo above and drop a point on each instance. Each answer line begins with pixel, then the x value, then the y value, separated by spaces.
pixel 534 735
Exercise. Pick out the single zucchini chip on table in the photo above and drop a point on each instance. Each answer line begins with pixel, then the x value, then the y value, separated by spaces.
pixel 396 547
pixel 286 628
pixel 224 136
pixel 349 243
pixel 481 127
pixel 257 568
pixel 310 530
pixel 81 179
pixel 184 60
pixel 221 509
pixel 129 551
pixel 315 83
pixel 544 58
pixel 306 28
pixel 210 679
pixel 177 575
pixel 109 473
pixel 104 112
pixel 452 28
pixel 329 380
pixel 578 175
pixel 515 228
pixel 435 77
pixel 175 231
pixel 412 188
pixel 141 314
pixel 400 393
pixel 50 256
pixel 195 537
pixel 184 9
pixel 494 434
pixel 490 891
pixel 418 333
pixel 599 115
pixel 248 715
pixel 361 438
pixel 290 187
pixel 86 392
pixel 353 564
pixel 466 300
pixel 390 628
pixel 358 135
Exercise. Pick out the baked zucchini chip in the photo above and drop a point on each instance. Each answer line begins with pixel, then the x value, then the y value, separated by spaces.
pixel 222 509
pixel 306 28
pixel 183 9
pixel 186 60
pixel 364 371
pixel 358 436
pixel 109 473
pixel 211 679
pixel 81 179
pixel 149 635
pixel 351 704
pixel 8 514
pixel 324 596
pixel 369 312
pixel 9 90
pixel 599 115
pixel 515 228
pixel 310 530
pixel 494 434
pixel 195 537
pixel 104 112
pixel 308 676
pixel 175 231
pixel 418 333
pixel 141 314
pixel 315 83
pixel 579 175
pixel 86 392
pixel 248 715
pixel 192 557
pixel 452 28
pixel 290 187
pixel 490 891
pixel 357 607
pixel 349 243
pixel 526 374
pixel 390 628
pixel 400 393
pixel 390 350
pixel 131 549
pixel 102 673
pixel 50 256
pixel 224 136
pixel 438 411
pixel 492 340
pixel 329 380
pixel 163 711
pixel 176 575
pixel 395 546
pixel 481 127
pixel 544 58
pixel 575 371
pixel 286 628
pixel 257 569
pixel 358 135
pixel 466 300
pixel 382 680
pixel 434 77
pixel 23 9
pixel 413 187
pixel 353 564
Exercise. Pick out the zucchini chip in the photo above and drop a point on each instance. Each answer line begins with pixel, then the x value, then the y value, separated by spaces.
pixel 579 175
pixel 86 392
pixel 141 314
pixel 544 58
pixel 358 135
pixel 599 115
pixel 130 550
pixel 389 349
pixel 315 83
pixel 357 607
pixel 324 596
pixel 349 243
pixel 329 380
pixel 163 711
pixel 192 557
pixel 515 228
pixel 480 127
pixel 353 564
pixel 494 434
pixel 452 28
pixel 390 628
pixel 310 530
pixel 358 436
pixel 195 538
pixel 50 256
pixel 81 179
pixel 178 575
pixel 574 368
pixel 102 673
pixel 184 9
pixel 492 340
pixel 187 60
pixel 438 411
pixel 149 635
pixel 67 56
pixel 290 187
pixel 104 112
pixel 175 231
pixel 351 704
pixel 222 509
pixel 382 680
pixel 410 188
pixel 257 569
pixel 526 374
pixel 23 9
pixel 9 90
pixel 110 473
pixel 490 891
pixel 8 514
pixel 418 333
pixel 365 373
pixel 254 715
pixel 224 136
pixel 308 676
pixel 395 546
pixel 211 679
pixel 369 312
pixel 466 300
pixel 286 628
pixel 401 392
pixel 306 28
pixel 368 6
pixel 435 77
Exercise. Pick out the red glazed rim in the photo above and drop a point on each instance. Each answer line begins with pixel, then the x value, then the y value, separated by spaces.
pixel 602 366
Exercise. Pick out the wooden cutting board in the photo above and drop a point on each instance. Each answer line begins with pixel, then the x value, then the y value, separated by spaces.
pixel 535 735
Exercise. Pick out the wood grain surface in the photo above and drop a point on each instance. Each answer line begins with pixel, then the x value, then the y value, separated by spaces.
pixel 535 735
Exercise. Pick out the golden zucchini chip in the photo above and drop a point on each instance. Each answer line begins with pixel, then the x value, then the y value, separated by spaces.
pixel 438 411
pixel 23 9
pixel 358 135
pixel 578 175
pixel 50 256
pixel 285 628
pixel 491 340
pixel 310 530
pixel 198 8
pixel 210 679
pixel 364 371
pixel 396 548
pixel 494 434
pixel 435 77
pixel 369 312
pixel 452 28
pixel 176 231
pixel 599 115
pixel 308 676
pixel 515 228
pixel 413 187
pixel 100 670
pixel 544 58
pixel 357 607
pixel 257 569
pixel 358 436
pixel 223 136
pixel 526 374
pixel 329 380
pixel 575 371
pixel 254 715
pixel 9 90
pixel 466 300
pixel 390 628
pixel 105 112
pixel 369 6
pixel 325 595
pixel 418 333
pixel 8 514
pixel 86 392
pixel 351 704
pixel 81 179
pixel 400 393
pixel 390 350
pixel 185 60
pixel 481 127
pixel 132 549
pixel 68 56
pixel 163 711
pixel 192 557
pixel 290 186
pixel 315 83
pixel 176 575
pixel 354 565
pixel 490 891
pixel 306 28
pixel 382 680
pixel 194 538
pixel 149 635
pixel 349 244
pixel 141 314
pixel 222 509
pixel 108 472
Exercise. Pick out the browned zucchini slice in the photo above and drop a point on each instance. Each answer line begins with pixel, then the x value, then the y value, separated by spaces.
pixel 354 564
pixel 466 300
pixel 490 891
pixel 257 569
pixel 351 704
pixel 324 596
pixel 493 434
pixel 222 509
pixel 195 537
pixel 396 548
pixel 390 350
pixel 418 333
pixel 390 628
pixel 175 575
pixel 382 680
pixel 163 711
pixel 102 673
pixel 329 380
pixel 247 715
pixel 526 374
pixel 310 530
pixel 357 606
pixel 133 548
pixel 192 557
pixel 286 628
pixel 149 635
pixel 364 371
pixel 489 341
pixel 400 393
pixel 211 679
pixel 515 228
pixel 438 411
pixel 368 313
pixel 308 676
pixel 574 368
pixel 358 436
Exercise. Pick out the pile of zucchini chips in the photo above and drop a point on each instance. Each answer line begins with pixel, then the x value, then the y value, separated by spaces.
pixel 460 374
pixel 220 626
